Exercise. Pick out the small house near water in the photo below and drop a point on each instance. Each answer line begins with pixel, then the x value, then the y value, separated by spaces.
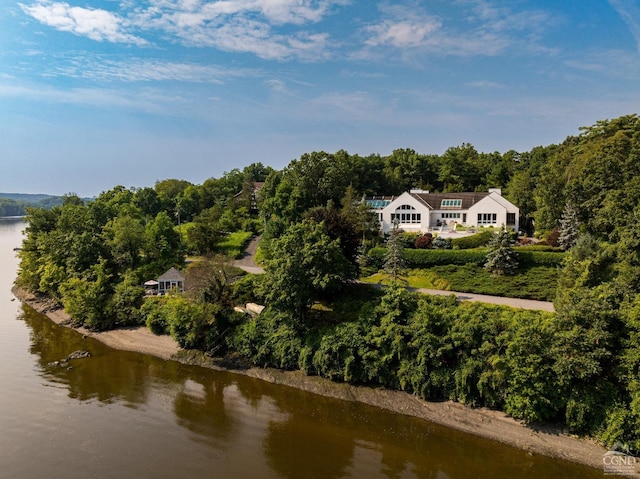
pixel 170 281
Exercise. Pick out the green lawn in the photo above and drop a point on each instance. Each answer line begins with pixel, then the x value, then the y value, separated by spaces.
pixel 234 244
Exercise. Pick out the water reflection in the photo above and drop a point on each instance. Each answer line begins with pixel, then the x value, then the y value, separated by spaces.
pixel 106 377
pixel 200 407
pixel 243 427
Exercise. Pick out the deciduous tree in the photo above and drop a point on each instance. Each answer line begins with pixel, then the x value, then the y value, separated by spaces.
pixel 306 263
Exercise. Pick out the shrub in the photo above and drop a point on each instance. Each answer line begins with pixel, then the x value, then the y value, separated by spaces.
pixel 407 240
pixel 537 282
pixel 155 315
pixel 474 241
pixel 538 247
pixel 127 301
pixel 245 290
pixel 425 258
pixel 338 354
pixel 552 237
pixel 440 243
pixel 433 257
pixel 530 257
pixel 269 339
pixel 424 241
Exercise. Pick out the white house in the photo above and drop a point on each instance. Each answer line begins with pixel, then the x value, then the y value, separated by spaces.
pixel 420 211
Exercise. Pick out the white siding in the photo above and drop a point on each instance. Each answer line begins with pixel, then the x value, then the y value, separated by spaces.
pixel 408 222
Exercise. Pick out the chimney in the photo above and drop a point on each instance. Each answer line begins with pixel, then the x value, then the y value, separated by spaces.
pixel 496 190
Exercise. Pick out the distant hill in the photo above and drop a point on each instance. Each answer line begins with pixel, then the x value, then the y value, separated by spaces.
pixel 28 197
pixel 15 204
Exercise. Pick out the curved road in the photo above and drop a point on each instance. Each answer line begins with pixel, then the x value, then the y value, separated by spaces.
pixel 248 264
pixel 484 298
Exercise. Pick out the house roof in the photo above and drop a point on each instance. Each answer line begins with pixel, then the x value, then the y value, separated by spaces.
pixel 434 200
pixel 379 202
pixel 172 275
pixel 257 186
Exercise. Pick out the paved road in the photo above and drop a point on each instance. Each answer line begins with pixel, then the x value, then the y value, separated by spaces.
pixel 248 264
pixel 483 298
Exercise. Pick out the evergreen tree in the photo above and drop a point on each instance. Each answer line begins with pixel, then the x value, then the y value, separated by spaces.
pixel 501 258
pixel 569 227
pixel 394 264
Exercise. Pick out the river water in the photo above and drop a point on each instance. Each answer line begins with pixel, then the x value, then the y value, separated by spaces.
pixel 127 415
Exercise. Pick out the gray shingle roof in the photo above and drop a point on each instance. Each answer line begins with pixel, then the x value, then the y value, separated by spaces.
pixel 172 275
pixel 434 200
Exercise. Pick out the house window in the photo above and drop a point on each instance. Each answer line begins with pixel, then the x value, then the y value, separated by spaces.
pixel 378 204
pixel 406 214
pixel 487 218
pixel 405 218
pixel 455 216
pixel 511 218
pixel 451 204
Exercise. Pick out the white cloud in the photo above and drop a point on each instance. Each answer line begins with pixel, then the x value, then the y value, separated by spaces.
pixel 270 29
pixel 136 70
pixel 630 13
pixel 245 26
pixel 96 24
pixel 403 33
pixel 608 63
pixel 482 30
pixel 102 98
pixel 485 84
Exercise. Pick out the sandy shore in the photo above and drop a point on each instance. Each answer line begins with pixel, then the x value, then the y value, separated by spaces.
pixel 480 421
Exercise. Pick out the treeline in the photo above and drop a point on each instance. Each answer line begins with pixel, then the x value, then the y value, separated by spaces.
pixel 16 204
pixel 580 366
pixel 11 208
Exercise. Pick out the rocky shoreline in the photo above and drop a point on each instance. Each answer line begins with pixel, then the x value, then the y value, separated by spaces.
pixel 490 424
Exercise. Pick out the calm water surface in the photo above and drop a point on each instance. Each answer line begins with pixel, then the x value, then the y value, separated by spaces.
pixel 127 415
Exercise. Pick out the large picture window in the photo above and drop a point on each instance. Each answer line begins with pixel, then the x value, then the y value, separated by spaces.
pixel 487 218
pixel 406 214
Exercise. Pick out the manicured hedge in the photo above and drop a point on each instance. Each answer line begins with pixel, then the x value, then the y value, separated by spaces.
pixel 424 258
pixel 477 240
pixel 529 257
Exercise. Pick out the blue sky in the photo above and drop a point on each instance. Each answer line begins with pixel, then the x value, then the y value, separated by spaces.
pixel 96 93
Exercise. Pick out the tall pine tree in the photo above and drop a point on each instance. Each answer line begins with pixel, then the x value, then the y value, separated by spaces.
pixel 394 264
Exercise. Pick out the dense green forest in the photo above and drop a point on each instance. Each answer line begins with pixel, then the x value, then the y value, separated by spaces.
pixel 16 204
pixel 578 367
